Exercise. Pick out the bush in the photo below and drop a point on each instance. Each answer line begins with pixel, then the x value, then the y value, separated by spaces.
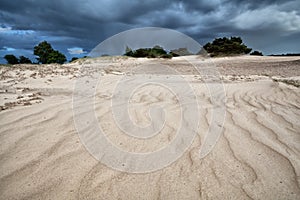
pixel 11 59
pixel 73 59
pixel 256 53
pixel 24 60
pixel 180 52
pixel 169 56
pixel 227 46
pixel 155 52
pixel 56 57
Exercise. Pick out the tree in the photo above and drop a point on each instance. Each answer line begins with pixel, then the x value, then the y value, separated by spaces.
pixel 42 50
pixel 47 54
pixel 11 59
pixel 227 46
pixel 24 60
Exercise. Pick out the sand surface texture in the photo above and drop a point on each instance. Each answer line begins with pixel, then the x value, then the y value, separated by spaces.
pixel 256 157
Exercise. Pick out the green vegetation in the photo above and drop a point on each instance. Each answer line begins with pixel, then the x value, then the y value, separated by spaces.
pixel 11 59
pixel 256 53
pixel 73 59
pixel 227 46
pixel 180 52
pixel 46 54
pixel 155 52
pixel 24 60
pixel 56 57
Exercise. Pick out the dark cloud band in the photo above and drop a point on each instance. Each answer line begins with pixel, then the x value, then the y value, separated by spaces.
pixel 83 24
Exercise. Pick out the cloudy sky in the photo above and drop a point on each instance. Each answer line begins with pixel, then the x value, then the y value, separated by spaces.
pixel 75 27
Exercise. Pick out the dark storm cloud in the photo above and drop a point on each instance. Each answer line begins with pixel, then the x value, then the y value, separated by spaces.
pixel 84 23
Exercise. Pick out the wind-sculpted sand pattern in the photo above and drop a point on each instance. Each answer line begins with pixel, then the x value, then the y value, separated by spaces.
pixel 257 156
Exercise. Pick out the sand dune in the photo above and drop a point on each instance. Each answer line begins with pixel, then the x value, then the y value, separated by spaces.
pixel 256 157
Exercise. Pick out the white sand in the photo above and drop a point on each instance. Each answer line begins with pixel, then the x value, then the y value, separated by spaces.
pixel 256 157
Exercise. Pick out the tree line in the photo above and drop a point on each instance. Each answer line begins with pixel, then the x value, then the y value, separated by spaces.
pixel 46 55
pixel 218 47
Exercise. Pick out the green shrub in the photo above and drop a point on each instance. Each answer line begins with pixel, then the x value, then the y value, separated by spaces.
pixel 24 60
pixel 155 52
pixel 256 53
pixel 56 57
pixel 180 52
pixel 73 59
pixel 227 46
pixel 11 59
